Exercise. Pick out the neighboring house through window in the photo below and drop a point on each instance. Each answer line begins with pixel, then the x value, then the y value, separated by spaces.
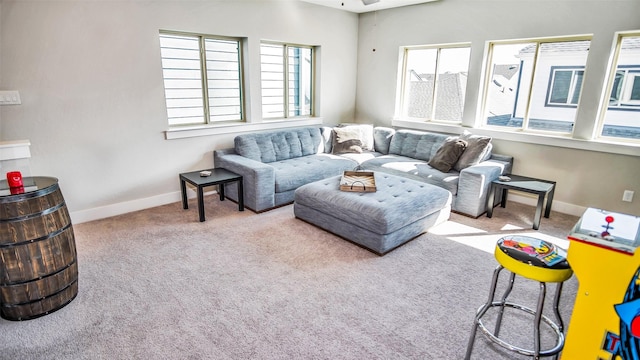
pixel 625 93
pixel 566 83
pixel 542 89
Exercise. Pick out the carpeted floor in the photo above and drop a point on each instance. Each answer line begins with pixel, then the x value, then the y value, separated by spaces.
pixel 158 284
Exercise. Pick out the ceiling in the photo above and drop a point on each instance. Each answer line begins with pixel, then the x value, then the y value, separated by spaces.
pixel 358 6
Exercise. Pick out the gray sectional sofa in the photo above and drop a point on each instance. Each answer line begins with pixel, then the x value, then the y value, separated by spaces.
pixel 275 163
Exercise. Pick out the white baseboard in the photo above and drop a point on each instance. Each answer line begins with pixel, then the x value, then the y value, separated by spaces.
pixel 558 206
pixel 102 212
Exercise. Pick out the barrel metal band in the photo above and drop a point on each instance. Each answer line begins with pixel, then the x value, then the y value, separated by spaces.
pixel 39 278
pixel 32 194
pixel 42 238
pixel 36 215
pixel 42 298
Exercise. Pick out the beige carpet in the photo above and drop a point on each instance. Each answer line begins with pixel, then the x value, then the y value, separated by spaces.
pixel 158 284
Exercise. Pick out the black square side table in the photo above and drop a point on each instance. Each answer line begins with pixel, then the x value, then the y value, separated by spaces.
pixel 542 188
pixel 219 176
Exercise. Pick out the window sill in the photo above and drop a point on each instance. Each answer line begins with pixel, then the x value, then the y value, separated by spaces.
pixel 541 139
pixel 218 129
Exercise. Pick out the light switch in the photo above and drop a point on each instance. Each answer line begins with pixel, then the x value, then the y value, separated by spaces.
pixel 10 97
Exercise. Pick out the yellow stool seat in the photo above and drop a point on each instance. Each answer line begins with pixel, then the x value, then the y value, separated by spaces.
pixel 533 258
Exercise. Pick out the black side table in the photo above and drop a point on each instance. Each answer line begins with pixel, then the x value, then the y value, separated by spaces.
pixel 218 177
pixel 539 187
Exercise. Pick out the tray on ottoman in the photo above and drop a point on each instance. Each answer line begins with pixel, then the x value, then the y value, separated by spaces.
pixel 400 210
pixel 358 181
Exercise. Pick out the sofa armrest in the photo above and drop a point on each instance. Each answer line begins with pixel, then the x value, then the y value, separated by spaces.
pixel 258 179
pixel 506 160
pixel 474 185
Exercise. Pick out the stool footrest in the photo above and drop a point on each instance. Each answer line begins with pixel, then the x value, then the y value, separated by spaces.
pixel 556 329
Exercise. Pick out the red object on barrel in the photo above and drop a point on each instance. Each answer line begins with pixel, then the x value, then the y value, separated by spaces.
pixel 16 185
pixel 14 178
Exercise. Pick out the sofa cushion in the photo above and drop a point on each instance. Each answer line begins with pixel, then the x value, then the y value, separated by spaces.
pixel 364 133
pixel 293 173
pixel 416 144
pixel 448 154
pixel 414 169
pixel 478 149
pixel 347 140
pixel 279 145
pixel 382 138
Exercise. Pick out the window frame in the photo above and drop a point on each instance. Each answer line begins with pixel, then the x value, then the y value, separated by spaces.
pixel 605 101
pixel 206 104
pixel 583 137
pixel 286 111
pixel 402 86
pixel 487 79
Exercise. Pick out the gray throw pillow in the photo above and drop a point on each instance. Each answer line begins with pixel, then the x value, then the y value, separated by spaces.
pixel 346 141
pixel 448 154
pixel 477 149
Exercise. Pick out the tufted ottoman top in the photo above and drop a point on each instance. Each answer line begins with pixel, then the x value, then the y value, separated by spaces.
pixel 397 202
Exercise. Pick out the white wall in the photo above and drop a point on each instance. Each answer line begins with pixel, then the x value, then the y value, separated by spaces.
pixel 93 107
pixel 90 79
pixel 585 178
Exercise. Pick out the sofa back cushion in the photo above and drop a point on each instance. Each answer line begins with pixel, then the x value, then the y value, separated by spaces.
pixel 382 138
pixel 279 145
pixel 416 144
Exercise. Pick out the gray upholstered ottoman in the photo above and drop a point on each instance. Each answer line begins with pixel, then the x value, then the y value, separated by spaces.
pixel 400 210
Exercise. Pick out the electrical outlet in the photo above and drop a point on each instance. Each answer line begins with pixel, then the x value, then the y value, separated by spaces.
pixel 627 196
pixel 10 98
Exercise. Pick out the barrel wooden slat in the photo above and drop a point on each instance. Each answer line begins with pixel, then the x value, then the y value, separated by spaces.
pixel 39 271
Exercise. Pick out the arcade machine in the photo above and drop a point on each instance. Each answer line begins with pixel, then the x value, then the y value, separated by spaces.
pixel 604 254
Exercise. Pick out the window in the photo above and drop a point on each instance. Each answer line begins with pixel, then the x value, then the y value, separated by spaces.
pixel 202 78
pixel 434 82
pixel 621 119
pixel 535 85
pixel 287 80
pixel 625 93
pixel 565 86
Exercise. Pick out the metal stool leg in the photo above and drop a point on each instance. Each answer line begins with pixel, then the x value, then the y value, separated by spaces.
pixel 482 310
pixel 559 322
pixel 537 351
pixel 506 294
pixel 538 319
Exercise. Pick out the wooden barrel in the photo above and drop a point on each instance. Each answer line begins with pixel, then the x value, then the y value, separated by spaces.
pixel 38 266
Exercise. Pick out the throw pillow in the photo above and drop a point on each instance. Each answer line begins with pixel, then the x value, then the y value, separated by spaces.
pixel 477 149
pixel 365 132
pixel 448 154
pixel 346 141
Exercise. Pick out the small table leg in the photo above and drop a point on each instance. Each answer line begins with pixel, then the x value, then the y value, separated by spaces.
pixel 221 191
pixel 505 192
pixel 183 189
pixel 536 219
pixel 547 210
pixel 201 203
pixel 240 196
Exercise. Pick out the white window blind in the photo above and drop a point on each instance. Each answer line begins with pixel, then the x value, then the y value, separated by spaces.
pixel 202 79
pixel 287 79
